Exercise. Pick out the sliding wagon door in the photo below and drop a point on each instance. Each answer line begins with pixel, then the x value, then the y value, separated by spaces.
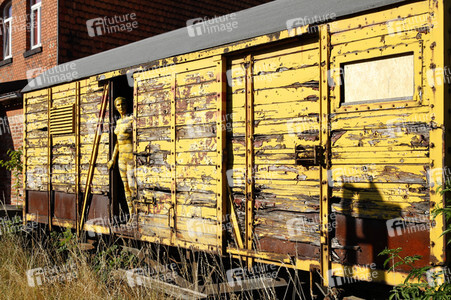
pixel 179 154
pixel 274 152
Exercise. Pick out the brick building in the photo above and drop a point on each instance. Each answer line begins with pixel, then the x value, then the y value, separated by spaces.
pixel 39 34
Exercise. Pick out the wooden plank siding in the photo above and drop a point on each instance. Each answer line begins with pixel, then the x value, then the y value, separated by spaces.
pixel 286 115
pixel 186 166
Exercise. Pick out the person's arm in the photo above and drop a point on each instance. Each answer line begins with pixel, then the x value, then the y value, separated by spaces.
pixel 113 159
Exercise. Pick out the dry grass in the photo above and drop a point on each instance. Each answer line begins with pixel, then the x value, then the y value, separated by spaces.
pixel 97 277
pixel 100 273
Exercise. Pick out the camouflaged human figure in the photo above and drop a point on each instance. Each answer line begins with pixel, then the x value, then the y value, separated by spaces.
pixel 124 146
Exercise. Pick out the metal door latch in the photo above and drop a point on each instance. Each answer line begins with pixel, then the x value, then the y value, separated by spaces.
pixel 309 156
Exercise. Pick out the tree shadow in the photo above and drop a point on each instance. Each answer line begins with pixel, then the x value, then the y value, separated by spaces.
pixel 362 230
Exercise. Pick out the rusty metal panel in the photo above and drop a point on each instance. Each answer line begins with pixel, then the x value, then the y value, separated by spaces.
pixel 99 208
pixel 38 205
pixel 65 206
pixel 358 241
pixel 302 250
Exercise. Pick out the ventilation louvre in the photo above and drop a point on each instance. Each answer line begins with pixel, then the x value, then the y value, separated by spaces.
pixel 62 119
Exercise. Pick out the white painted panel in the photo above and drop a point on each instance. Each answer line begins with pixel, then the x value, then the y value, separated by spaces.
pixel 379 80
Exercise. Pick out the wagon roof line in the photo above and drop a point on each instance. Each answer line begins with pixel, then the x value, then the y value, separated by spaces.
pixel 264 19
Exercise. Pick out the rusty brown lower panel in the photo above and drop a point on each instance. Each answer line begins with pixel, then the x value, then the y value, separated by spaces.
pixel 99 208
pixel 65 206
pixel 38 204
pixel 360 240
pixel 300 250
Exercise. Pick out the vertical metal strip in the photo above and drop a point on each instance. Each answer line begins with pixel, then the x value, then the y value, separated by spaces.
pixel 439 107
pixel 113 186
pixel 447 63
pixel 172 210
pixel 135 143
pixel 77 153
pixel 221 101
pixel 249 190
pixel 324 45
pixel 24 170
pixel 49 158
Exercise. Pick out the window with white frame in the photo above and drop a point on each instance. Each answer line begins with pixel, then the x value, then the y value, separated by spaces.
pixel 7 30
pixel 35 23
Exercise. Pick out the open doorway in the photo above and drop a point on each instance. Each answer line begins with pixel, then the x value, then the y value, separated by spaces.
pixel 119 88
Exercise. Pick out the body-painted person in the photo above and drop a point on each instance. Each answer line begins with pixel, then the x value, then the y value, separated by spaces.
pixel 124 147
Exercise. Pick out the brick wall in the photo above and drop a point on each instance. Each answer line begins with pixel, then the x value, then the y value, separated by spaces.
pixel 17 70
pixel 11 137
pixel 153 17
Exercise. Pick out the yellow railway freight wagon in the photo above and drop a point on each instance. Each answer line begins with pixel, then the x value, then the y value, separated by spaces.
pixel 309 134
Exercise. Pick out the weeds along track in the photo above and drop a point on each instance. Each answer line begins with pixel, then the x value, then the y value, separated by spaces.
pixel 56 265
